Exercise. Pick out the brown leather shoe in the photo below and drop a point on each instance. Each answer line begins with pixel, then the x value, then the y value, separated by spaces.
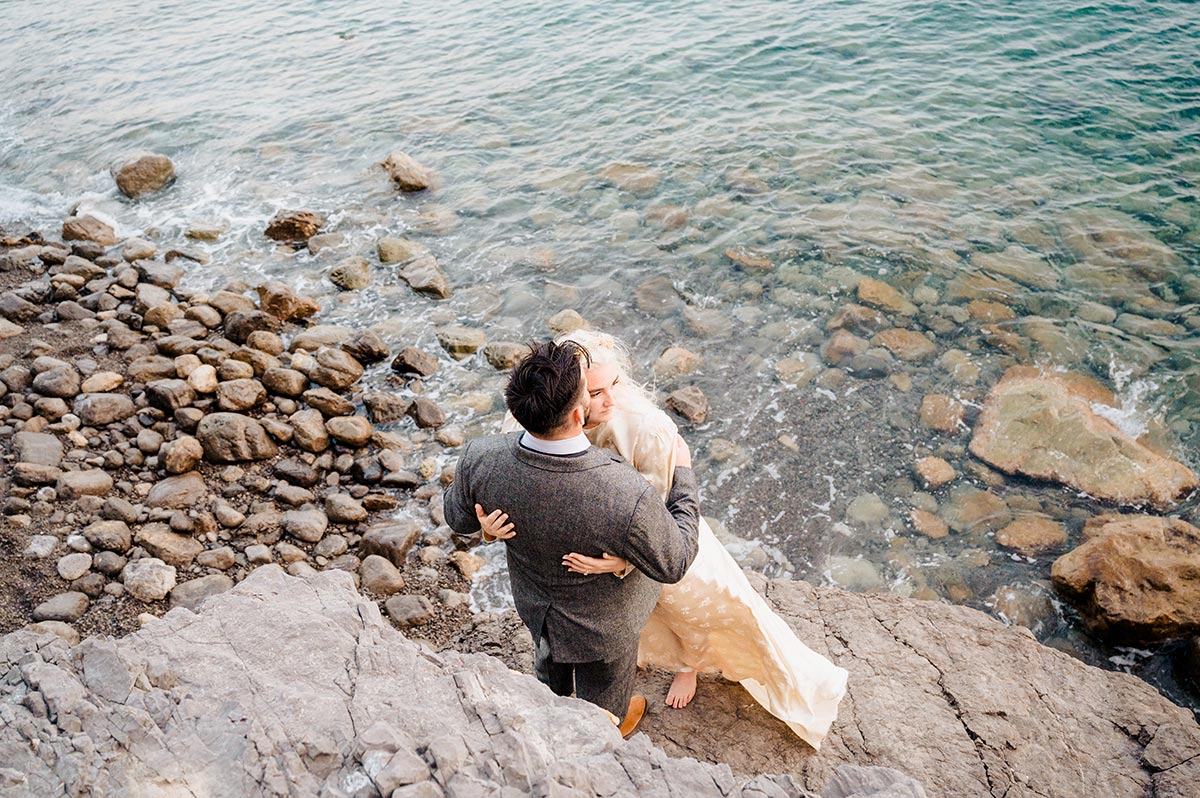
pixel 633 716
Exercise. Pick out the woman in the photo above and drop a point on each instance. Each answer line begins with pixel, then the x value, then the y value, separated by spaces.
pixel 712 620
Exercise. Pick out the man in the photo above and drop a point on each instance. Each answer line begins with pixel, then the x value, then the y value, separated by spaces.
pixel 564 495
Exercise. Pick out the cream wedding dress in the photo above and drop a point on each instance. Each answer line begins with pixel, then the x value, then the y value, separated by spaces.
pixel 713 620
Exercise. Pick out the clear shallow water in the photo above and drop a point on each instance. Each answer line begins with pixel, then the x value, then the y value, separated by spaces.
pixel 1053 148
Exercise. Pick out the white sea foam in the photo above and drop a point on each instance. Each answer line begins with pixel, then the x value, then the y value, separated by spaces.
pixel 1141 402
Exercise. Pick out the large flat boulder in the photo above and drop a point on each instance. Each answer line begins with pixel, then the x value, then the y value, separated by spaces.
pixel 1134 577
pixel 1042 425
pixel 294 687
pixel 947 694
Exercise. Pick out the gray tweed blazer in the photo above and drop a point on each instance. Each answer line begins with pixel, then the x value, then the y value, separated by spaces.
pixel 589 503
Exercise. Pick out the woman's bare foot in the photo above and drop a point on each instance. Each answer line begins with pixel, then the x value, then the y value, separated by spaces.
pixel 683 689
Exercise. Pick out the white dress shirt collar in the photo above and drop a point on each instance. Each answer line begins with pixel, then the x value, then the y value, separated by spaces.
pixel 561 448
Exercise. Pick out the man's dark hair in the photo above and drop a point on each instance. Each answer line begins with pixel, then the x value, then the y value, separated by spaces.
pixel 545 387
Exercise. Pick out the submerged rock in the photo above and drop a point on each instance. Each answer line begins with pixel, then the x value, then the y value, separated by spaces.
pixel 1134 576
pixel 1043 426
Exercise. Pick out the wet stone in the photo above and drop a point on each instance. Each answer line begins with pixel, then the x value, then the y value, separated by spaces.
pixel 426 412
pixel 1032 534
pixel 294 226
pixel 690 403
pixel 461 342
pixel 411 360
pixel 934 471
pixel 928 524
pixel 366 346
pixel 943 414
pixel 385 408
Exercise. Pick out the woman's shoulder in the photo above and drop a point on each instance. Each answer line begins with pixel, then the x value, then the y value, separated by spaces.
pixel 648 421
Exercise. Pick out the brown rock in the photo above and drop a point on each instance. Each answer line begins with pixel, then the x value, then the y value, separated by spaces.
pixel 385 408
pixel 279 300
pixel 942 413
pixel 238 395
pixel 1043 426
pixel 233 438
pixel 399 250
pixel 461 342
pixel 240 323
pixel 842 347
pixel 391 540
pixel 335 369
pixel 178 492
pixel 1032 534
pixel 182 455
pixel 638 179
pixel 93 482
pixel 100 409
pixel 969 509
pixel 143 174
pixel 505 354
pixel 379 576
pixel 351 431
pixel 351 274
pixel 170 547
pixel 426 412
pixel 366 346
pixel 284 382
pixel 934 471
pixel 676 361
pixel 88 228
pixel 294 226
pixel 878 294
pixel 690 403
pixel 857 319
pixel 1135 576
pixel 169 395
pixel 109 535
pixel 406 173
pixel 329 403
pixel 750 259
pixel 309 430
pixel 343 509
pixel 411 360
pixel 906 344
pixel 989 312
pixel 928 524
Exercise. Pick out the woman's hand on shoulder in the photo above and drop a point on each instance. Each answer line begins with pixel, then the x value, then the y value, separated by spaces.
pixel 495 524
pixel 604 564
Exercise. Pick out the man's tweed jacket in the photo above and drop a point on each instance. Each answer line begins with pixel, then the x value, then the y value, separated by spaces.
pixel 588 503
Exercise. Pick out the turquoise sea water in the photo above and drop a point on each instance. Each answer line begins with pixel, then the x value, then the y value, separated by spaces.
pixel 1051 148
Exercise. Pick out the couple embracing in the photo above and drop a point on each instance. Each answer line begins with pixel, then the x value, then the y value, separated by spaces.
pixel 611 564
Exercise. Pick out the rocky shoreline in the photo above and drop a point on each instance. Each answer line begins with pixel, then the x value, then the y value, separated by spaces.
pixel 162 445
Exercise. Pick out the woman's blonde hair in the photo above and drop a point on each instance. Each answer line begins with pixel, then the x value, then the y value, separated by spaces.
pixel 608 350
